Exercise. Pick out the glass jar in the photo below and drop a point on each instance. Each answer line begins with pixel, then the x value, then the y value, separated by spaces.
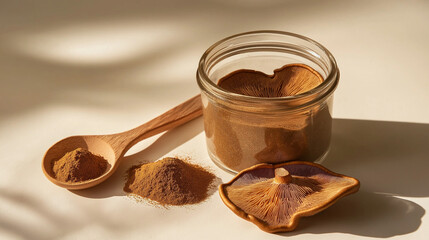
pixel 241 130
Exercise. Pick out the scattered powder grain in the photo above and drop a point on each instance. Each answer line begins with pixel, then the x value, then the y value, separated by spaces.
pixel 169 181
pixel 79 165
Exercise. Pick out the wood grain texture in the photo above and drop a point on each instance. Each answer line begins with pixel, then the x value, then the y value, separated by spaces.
pixel 176 116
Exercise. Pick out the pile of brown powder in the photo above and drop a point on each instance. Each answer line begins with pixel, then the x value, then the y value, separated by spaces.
pixel 79 165
pixel 169 181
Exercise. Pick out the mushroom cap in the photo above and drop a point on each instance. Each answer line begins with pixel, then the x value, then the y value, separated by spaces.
pixel 289 80
pixel 274 197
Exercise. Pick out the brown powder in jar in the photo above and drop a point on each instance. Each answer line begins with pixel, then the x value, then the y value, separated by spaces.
pixel 170 181
pixel 79 165
pixel 243 139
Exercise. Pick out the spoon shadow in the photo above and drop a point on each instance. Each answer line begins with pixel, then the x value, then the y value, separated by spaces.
pixel 163 144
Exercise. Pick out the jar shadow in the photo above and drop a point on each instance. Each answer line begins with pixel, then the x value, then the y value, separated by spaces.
pixel 390 160
pixel 365 214
pixel 387 157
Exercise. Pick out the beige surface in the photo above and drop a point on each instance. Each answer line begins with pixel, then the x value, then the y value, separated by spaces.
pixel 99 67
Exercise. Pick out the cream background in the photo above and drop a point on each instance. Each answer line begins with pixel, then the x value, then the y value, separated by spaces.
pixel 95 67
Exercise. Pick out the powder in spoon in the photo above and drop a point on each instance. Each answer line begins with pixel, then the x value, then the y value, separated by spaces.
pixel 170 181
pixel 79 165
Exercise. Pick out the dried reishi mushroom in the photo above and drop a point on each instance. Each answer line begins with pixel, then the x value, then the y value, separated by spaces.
pixel 289 80
pixel 274 197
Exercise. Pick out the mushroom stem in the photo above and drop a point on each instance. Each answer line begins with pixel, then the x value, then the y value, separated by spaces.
pixel 282 176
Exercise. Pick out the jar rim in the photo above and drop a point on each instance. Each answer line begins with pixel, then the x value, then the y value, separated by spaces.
pixel 328 85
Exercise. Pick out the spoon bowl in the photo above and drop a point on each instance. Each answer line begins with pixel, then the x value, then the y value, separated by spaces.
pixel 95 144
pixel 113 147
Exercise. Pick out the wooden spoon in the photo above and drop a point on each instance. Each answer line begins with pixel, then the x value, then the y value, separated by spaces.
pixel 113 147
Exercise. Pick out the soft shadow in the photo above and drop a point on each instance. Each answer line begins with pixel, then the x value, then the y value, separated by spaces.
pixel 41 82
pixel 387 157
pixel 365 214
pixel 164 144
pixel 34 207
pixel 214 186
pixel 390 159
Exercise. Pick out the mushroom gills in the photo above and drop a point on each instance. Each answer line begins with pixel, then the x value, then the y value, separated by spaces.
pixel 274 197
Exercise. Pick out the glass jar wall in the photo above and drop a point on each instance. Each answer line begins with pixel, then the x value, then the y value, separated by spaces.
pixel 241 130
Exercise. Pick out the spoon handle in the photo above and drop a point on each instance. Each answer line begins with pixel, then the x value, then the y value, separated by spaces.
pixel 176 116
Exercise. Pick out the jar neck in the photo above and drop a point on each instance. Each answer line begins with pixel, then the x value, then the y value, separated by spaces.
pixel 278 42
